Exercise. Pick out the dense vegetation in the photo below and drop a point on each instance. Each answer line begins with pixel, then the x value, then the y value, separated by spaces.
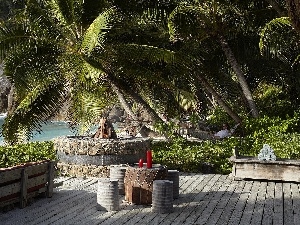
pixel 212 155
pixel 214 60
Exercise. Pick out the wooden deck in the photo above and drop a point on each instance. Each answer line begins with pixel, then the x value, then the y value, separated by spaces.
pixel 204 199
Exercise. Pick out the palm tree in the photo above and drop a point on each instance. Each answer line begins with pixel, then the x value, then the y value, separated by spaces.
pixel 210 19
pixel 279 41
pixel 58 51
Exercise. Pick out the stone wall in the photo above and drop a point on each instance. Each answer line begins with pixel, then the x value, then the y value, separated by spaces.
pixel 92 157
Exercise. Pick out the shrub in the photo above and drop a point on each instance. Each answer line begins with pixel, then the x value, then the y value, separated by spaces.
pixel 29 152
pixel 212 156
pixel 187 156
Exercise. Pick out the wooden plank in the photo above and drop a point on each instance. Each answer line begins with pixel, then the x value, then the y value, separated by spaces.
pixel 201 201
pixel 17 199
pixel 278 204
pixel 75 208
pixel 259 204
pixel 182 208
pixel 288 217
pixel 248 211
pixel 16 187
pixel 23 191
pixel 50 179
pixel 62 206
pixel 228 210
pixel 198 201
pixel 213 219
pixel 61 201
pixel 269 205
pixel 14 173
pixel 241 204
pixel 279 170
pixel 216 193
pixel 225 201
pixel 296 202
pixel 90 215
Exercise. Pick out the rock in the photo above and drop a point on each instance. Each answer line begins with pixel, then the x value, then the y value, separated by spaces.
pixel 5 87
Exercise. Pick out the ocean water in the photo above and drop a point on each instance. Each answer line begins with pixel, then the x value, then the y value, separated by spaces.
pixel 49 131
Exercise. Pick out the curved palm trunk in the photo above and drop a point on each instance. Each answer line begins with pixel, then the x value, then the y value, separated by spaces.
pixel 241 78
pixel 123 102
pixel 143 130
pixel 218 98
pixel 117 86
pixel 151 112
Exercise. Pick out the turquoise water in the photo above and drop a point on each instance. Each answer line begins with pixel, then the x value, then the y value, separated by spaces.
pixel 49 131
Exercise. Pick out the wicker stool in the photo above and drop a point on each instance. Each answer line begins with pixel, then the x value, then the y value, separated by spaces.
pixel 107 195
pixel 117 172
pixel 162 196
pixel 173 175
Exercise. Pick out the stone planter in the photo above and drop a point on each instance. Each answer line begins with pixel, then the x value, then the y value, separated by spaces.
pixel 19 184
pixel 252 168
pixel 92 157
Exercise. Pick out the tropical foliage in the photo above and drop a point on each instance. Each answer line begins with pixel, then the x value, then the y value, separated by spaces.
pixel 23 153
pixel 170 57
pixel 212 156
pixel 53 55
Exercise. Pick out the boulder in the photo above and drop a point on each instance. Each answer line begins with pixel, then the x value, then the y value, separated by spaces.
pixel 5 87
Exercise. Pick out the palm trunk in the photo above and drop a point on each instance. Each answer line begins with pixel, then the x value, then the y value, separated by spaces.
pixel 293 7
pixel 151 112
pixel 117 86
pixel 218 98
pixel 143 130
pixel 240 75
pixel 123 102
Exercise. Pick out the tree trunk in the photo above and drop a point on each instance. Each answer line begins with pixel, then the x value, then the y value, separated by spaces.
pixel 241 78
pixel 277 7
pixel 218 98
pixel 123 102
pixel 117 86
pixel 151 112
pixel 143 130
pixel 293 7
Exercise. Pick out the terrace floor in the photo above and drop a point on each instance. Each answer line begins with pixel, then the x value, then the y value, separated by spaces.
pixel 204 199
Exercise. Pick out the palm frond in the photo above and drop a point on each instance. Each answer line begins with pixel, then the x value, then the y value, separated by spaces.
pixel 63 11
pixel 89 103
pixel 94 36
pixel 145 52
pixel 40 104
pixel 271 38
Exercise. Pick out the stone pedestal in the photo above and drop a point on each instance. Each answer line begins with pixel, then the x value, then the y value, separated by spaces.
pixel 173 175
pixel 117 172
pixel 162 197
pixel 91 157
pixel 107 195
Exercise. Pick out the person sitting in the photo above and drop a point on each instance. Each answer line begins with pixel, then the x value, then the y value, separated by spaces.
pixel 225 132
